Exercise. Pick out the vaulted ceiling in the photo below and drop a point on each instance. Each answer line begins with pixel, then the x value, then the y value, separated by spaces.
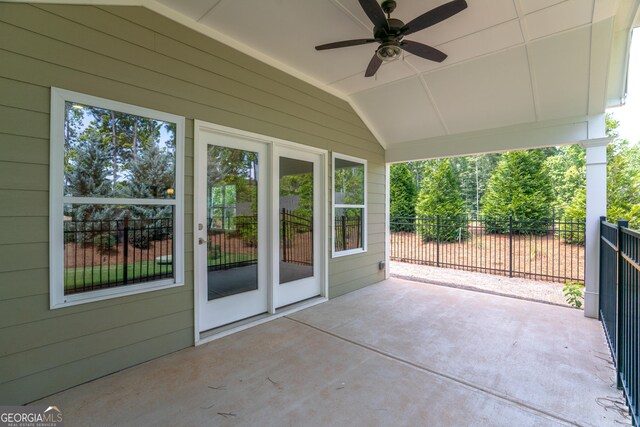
pixel 510 61
pixel 516 65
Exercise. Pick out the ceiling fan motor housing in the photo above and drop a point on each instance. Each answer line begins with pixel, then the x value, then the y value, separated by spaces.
pixel 382 35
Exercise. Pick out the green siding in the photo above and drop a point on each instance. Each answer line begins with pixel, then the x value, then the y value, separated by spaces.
pixel 133 55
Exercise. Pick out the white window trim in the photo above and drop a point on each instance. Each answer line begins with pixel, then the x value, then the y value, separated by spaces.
pixel 334 206
pixel 57 201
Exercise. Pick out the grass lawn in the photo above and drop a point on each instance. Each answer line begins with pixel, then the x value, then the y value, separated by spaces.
pixel 96 275
pixel 111 274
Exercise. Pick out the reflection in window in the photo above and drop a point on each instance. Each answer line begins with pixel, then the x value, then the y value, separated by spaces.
pixel 296 219
pixel 113 154
pixel 222 207
pixel 349 204
pixel 348 182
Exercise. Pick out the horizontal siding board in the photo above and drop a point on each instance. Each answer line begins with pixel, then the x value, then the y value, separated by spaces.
pixel 16 121
pixel 63 328
pixel 24 203
pixel 60 53
pixel 61 29
pixel 33 387
pixel 349 263
pixel 46 357
pixel 21 176
pixel 165 26
pixel 21 284
pixel 24 149
pixel 23 257
pixel 18 94
pixel 18 230
pixel 103 21
pixel 36 308
pixel 355 284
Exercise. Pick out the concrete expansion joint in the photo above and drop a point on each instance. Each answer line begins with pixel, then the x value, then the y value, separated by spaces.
pixel 467 384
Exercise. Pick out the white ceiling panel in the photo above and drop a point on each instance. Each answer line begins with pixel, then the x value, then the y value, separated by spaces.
pixel 400 111
pixel 560 67
pixel 493 91
pixel 561 17
pixel 483 42
pixel 194 9
pixel 288 30
pixel 480 15
pixel 530 6
pixel 388 72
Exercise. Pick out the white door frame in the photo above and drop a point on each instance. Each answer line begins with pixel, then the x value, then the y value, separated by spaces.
pixel 199 204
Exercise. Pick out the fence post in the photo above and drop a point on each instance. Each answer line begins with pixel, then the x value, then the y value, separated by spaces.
pixel 600 261
pixel 284 235
pixel 437 240
pixel 620 343
pixel 510 246
pixel 125 268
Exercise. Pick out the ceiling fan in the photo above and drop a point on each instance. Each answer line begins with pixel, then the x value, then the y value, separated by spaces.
pixel 389 32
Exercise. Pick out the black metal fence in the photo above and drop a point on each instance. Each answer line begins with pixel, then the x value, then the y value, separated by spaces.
pixel 234 246
pixel 238 246
pixel 348 233
pixel 550 250
pixel 296 238
pixel 620 305
pixel 111 253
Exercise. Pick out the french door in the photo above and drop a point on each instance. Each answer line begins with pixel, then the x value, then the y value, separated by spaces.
pixel 259 226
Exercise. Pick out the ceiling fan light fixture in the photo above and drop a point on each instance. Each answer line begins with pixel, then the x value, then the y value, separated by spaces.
pixel 389 52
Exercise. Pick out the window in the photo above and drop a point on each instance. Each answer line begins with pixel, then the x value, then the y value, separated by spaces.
pixel 116 199
pixel 222 207
pixel 349 205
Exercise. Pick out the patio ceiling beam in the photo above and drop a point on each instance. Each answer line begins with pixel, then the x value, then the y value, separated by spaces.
pixel 520 137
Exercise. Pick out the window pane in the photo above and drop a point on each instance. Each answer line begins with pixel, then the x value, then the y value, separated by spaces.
pixel 113 154
pixel 348 228
pixel 296 219
pixel 108 246
pixel 348 182
pixel 232 232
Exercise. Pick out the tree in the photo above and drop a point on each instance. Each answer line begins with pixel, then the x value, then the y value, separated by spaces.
pixel 520 188
pixel 403 196
pixel 440 200
pixel 87 175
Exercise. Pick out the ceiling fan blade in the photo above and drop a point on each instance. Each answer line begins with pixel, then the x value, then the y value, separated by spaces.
pixel 344 43
pixel 423 51
pixel 373 66
pixel 434 16
pixel 375 13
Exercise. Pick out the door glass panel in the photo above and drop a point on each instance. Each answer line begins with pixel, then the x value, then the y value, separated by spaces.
pixel 232 221
pixel 296 219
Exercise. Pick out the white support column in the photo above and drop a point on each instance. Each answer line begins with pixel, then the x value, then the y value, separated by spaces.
pixel 387 222
pixel 596 207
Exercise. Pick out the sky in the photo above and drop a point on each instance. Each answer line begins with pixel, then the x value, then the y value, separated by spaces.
pixel 629 114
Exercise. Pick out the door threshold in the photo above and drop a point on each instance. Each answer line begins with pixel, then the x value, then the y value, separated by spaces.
pixel 241 325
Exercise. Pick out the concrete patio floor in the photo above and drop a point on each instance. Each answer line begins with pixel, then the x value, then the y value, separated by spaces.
pixel 395 353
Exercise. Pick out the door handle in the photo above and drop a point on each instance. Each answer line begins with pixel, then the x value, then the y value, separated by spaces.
pixel 201 241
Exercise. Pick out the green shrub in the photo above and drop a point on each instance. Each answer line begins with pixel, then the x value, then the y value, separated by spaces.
pixel 139 238
pixel 520 188
pixel 104 242
pixel 441 197
pixel 402 196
